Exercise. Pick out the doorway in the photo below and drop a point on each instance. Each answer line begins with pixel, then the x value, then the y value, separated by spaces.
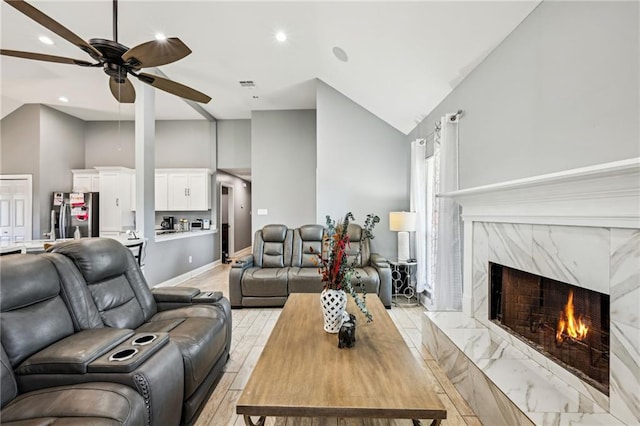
pixel 16 213
pixel 227 214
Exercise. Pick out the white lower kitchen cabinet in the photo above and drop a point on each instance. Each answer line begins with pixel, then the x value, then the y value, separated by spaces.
pixel 116 211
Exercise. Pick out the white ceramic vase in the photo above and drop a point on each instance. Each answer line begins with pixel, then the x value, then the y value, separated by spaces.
pixel 333 304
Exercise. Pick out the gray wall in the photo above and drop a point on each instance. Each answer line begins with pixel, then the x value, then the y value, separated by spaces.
pixel 242 233
pixel 110 143
pixel 560 92
pixel 61 149
pixel 20 152
pixel 363 166
pixel 168 259
pixel 234 144
pixel 185 143
pixel 283 167
pixel 47 144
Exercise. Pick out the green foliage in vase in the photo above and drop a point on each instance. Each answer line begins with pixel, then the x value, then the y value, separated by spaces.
pixel 338 273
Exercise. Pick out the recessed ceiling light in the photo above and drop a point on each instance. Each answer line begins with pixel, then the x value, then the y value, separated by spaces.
pixel 281 36
pixel 340 54
pixel 160 36
pixel 45 40
pixel 63 99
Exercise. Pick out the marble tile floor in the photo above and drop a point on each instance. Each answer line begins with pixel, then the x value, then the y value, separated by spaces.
pixel 251 329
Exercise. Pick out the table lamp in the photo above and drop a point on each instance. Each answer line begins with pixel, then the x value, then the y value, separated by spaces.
pixel 403 223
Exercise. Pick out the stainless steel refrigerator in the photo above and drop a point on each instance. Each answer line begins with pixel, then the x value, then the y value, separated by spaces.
pixel 76 209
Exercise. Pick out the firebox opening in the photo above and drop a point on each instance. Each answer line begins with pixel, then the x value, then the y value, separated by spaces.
pixel 568 324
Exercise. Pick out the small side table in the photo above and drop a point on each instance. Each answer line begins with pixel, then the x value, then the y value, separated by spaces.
pixel 404 290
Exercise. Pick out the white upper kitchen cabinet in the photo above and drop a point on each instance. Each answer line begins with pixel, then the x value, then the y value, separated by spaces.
pixel 161 191
pixel 116 211
pixel 189 189
pixel 86 180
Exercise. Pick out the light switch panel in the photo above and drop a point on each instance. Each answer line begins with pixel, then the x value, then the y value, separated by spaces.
pixel 263 212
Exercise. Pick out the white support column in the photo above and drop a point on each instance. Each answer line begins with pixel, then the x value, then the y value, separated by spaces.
pixel 145 131
pixel 467 269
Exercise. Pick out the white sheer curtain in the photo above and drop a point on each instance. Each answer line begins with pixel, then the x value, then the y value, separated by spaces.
pixel 446 243
pixel 418 205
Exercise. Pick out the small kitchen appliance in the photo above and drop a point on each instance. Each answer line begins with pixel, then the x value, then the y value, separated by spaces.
pixel 167 222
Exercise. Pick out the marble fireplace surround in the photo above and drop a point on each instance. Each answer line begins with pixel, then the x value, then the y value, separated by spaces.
pixel 582 227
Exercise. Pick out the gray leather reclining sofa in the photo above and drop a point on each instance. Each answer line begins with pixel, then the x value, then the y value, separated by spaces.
pixel 284 262
pixel 85 341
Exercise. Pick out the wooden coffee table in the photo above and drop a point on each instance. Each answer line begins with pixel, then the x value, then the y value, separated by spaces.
pixel 303 373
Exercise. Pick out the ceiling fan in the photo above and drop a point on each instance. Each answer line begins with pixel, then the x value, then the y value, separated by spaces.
pixel 117 60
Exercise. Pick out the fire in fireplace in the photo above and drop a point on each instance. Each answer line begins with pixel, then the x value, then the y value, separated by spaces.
pixel 568 324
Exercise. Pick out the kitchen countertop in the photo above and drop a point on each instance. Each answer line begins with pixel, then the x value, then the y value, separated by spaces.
pixel 161 236
pixel 37 246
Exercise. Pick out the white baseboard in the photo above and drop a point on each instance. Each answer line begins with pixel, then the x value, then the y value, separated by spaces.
pixel 187 275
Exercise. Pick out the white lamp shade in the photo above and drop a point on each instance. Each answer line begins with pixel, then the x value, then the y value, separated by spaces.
pixel 402 221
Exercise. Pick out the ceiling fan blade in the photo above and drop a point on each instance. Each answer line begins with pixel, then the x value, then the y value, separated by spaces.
pixel 173 87
pixel 54 26
pixel 42 57
pixel 156 52
pixel 123 92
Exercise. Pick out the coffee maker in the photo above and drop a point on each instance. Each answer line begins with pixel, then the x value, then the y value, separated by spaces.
pixel 167 222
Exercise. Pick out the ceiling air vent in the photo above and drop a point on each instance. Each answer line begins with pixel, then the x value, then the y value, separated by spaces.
pixel 247 83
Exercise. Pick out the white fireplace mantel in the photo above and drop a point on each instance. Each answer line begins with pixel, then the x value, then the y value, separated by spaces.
pixel 605 195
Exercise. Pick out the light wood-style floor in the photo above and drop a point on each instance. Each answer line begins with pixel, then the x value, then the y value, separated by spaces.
pixel 251 329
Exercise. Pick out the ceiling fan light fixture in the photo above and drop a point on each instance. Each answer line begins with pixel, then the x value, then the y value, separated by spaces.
pixel 116 60
pixel 45 40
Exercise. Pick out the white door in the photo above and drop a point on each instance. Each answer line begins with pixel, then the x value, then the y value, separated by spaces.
pixel 6 207
pixel 15 210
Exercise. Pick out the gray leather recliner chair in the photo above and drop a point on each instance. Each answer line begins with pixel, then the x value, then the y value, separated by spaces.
pixel 307 246
pixel 108 289
pixel 374 270
pixel 260 279
pixel 97 403
pixel 45 349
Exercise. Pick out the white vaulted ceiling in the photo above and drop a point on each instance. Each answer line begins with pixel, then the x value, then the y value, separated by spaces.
pixel 403 57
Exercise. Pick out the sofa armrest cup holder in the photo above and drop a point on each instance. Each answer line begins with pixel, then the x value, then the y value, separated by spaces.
pixel 123 354
pixel 131 354
pixel 144 339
